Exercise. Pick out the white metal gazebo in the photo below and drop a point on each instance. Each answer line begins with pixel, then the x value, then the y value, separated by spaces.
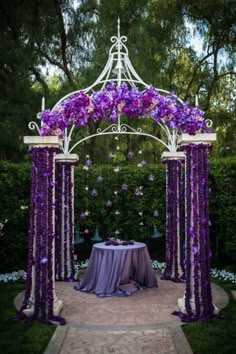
pixel 51 230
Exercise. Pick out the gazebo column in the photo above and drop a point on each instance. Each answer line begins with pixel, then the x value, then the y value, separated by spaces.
pixel 40 301
pixel 173 270
pixel 64 266
pixel 197 301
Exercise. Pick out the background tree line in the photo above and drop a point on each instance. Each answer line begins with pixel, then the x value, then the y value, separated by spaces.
pixel 52 47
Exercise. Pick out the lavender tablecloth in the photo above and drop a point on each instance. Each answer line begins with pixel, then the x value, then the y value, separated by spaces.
pixel 118 270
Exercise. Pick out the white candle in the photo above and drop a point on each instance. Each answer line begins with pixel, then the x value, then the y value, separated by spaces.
pixel 196 100
pixel 43 104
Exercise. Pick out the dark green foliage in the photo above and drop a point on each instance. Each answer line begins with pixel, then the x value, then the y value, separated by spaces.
pixel 223 209
pixel 128 205
pixel 15 187
pixel 16 336
pixel 70 51
pixel 14 192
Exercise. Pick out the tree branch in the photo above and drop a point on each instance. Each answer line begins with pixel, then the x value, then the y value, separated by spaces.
pixel 195 70
pixel 63 38
pixel 227 73
pixel 214 80
pixel 49 59
pixel 41 81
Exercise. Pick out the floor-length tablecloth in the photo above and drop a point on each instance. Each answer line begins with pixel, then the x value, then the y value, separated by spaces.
pixel 112 268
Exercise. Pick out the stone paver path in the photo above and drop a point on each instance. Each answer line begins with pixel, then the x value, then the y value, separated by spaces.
pixel 141 323
pixel 139 341
pixel 144 307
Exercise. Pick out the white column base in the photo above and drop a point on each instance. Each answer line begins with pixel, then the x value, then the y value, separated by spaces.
pixel 181 305
pixel 29 311
pixel 180 271
pixel 57 307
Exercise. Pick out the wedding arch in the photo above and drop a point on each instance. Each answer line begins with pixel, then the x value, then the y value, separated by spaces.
pixel 51 219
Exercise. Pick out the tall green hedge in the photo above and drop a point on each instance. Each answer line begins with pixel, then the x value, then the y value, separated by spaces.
pixel 15 187
pixel 223 209
pixel 131 215
pixel 14 194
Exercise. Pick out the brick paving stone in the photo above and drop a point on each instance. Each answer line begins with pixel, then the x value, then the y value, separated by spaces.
pixel 79 341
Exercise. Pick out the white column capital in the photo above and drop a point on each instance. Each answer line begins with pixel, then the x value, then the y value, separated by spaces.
pixel 67 158
pixel 43 141
pixel 169 155
pixel 204 138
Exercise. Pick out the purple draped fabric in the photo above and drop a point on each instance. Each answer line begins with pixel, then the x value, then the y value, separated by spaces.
pixel 112 268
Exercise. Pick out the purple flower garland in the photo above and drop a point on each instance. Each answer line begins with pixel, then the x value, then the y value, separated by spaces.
pixel 58 220
pixel 41 236
pixel 71 225
pixel 173 205
pixel 64 216
pixel 79 108
pixel 198 298
pixel 167 273
pixel 65 208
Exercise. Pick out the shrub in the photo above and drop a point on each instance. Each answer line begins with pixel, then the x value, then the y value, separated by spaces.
pixel 132 215
pixel 14 192
pixel 15 188
pixel 223 209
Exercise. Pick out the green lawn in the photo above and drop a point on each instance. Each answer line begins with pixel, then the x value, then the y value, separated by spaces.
pixel 16 337
pixel 217 336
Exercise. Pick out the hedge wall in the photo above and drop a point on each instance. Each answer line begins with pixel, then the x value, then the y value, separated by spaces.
pixel 223 210
pixel 14 194
pixel 132 215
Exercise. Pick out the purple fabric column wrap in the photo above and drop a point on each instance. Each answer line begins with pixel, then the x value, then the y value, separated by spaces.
pixel 173 224
pixel 41 238
pixel 198 296
pixel 64 221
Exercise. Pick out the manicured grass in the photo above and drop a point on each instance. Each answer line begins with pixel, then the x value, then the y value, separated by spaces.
pixel 16 337
pixel 217 336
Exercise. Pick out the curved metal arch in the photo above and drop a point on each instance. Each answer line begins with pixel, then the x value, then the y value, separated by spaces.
pixel 119 63
pixel 124 128
pixel 115 133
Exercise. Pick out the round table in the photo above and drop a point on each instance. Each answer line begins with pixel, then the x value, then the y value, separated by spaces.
pixel 112 268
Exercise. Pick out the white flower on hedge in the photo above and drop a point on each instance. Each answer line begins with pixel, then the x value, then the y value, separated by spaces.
pixel 223 275
pixel 117 169
pixel 14 276
pixel 158 265
pixel 23 207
